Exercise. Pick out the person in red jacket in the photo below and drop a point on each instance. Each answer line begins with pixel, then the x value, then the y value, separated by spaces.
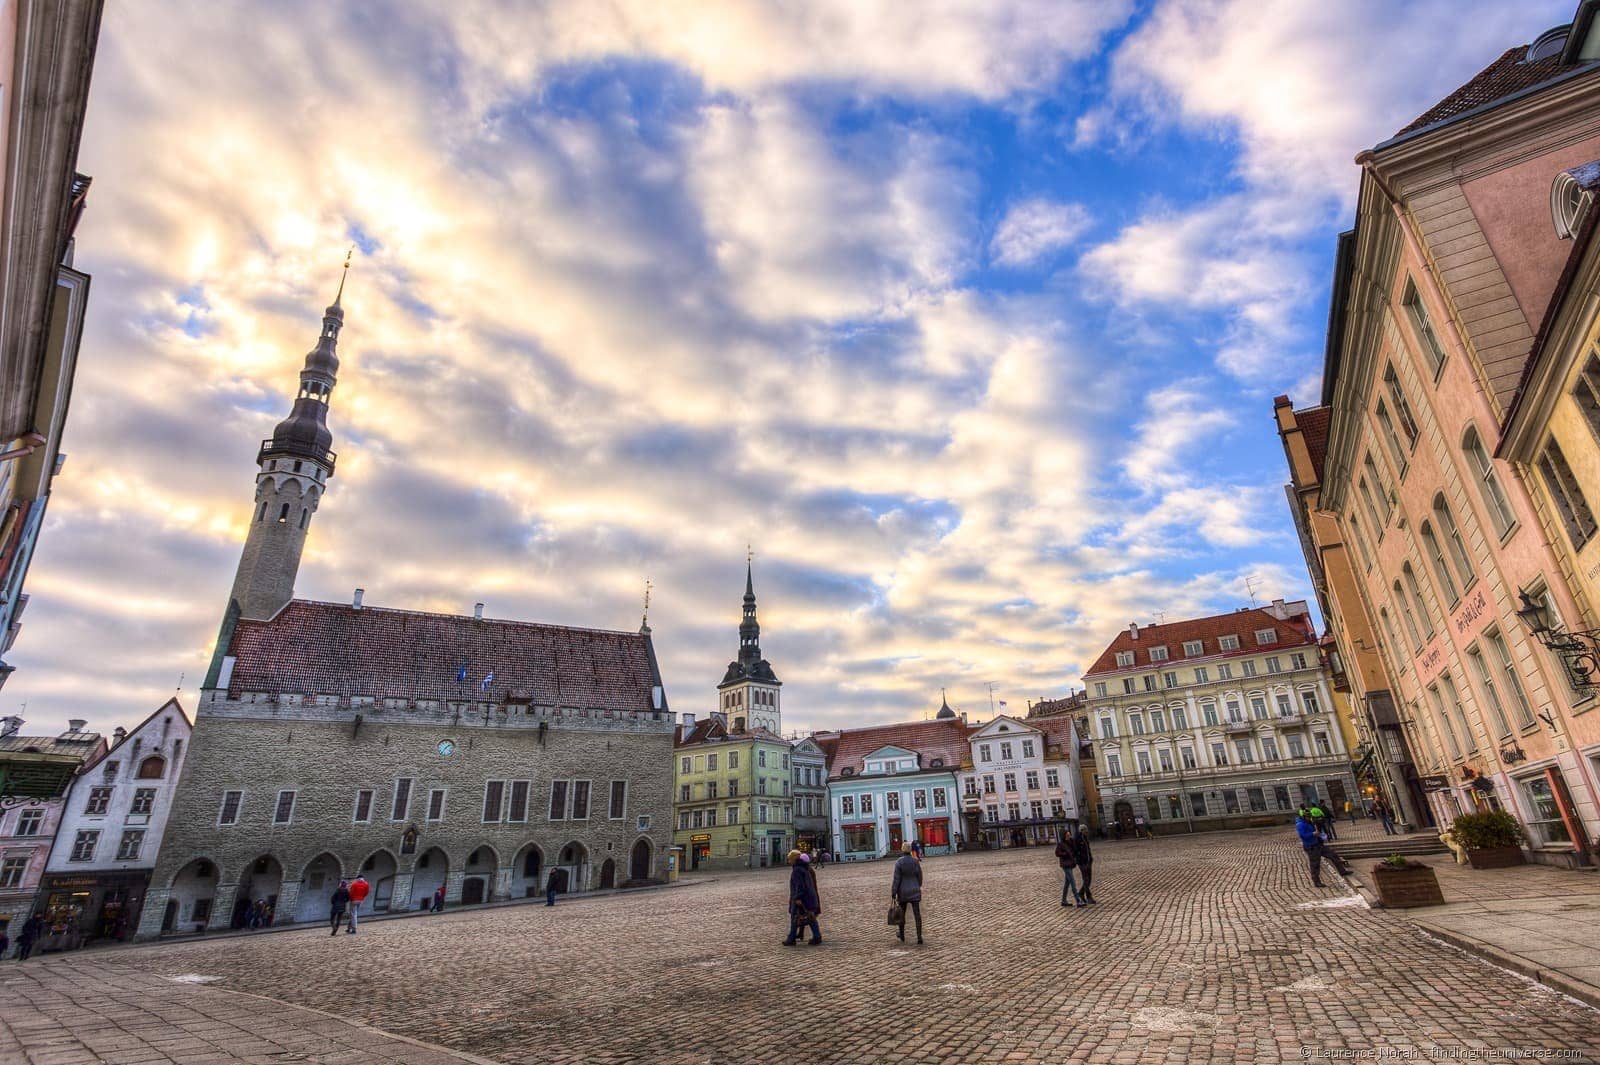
pixel 359 889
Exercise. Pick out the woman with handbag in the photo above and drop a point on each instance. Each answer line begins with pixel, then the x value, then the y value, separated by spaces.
pixel 804 904
pixel 906 891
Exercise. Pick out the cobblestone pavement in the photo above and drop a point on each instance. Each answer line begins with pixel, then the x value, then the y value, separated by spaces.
pixel 1207 948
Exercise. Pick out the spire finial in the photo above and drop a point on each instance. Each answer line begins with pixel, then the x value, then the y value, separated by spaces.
pixel 347 256
pixel 644 622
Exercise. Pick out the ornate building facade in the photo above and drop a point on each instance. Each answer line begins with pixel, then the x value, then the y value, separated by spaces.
pixel 488 757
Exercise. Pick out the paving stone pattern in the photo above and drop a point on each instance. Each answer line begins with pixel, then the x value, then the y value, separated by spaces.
pixel 1207 948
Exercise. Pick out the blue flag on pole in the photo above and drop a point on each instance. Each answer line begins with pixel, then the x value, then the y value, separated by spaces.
pixel 488 680
pixel 461 675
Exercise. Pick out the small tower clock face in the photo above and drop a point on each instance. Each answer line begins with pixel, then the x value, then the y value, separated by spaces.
pixel 447 747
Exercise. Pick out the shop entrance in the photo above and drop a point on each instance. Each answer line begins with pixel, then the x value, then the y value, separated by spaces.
pixel 897 836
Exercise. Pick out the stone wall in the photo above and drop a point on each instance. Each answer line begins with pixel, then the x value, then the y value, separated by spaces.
pixel 327 762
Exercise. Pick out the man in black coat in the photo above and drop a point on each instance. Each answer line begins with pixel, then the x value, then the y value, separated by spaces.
pixel 337 905
pixel 907 889
pixel 804 902
pixel 1085 857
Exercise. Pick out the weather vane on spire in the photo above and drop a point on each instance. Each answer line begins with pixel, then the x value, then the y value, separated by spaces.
pixel 644 622
pixel 347 257
pixel 749 554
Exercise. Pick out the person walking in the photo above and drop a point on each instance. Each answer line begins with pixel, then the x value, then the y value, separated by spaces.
pixel 337 906
pixel 1323 823
pixel 1350 810
pixel 1316 847
pixel 359 889
pixel 1068 857
pixel 804 903
pixel 438 899
pixel 551 886
pixel 1085 856
pixel 906 890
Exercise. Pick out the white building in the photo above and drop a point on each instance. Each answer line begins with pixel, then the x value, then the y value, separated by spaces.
pixel 1022 785
pixel 112 822
pixel 1216 722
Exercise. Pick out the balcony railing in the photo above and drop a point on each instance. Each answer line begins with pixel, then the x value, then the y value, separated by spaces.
pixel 1302 761
pixel 298 451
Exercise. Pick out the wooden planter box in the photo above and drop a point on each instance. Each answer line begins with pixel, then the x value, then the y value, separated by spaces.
pixel 1403 888
pixel 1495 857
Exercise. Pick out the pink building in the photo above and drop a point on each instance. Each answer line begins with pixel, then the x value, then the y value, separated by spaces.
pixel 1438 294
pixel 35 773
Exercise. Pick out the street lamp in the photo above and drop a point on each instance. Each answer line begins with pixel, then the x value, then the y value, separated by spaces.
pixel 1579 650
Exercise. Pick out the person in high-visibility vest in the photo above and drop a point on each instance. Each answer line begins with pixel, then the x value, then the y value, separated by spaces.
pixel 359 889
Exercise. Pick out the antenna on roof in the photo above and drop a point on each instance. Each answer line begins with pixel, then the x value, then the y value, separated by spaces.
pixel 1250 583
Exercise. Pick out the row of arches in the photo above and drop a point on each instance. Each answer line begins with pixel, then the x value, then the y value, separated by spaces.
pixel 193 890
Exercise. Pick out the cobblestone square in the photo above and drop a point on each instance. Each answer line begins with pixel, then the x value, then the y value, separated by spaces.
pixel 1208 948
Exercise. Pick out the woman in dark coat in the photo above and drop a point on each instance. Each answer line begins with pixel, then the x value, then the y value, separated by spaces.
pixel 907 889
pixel 804 904
pixel 1085 857
pixel 1067 855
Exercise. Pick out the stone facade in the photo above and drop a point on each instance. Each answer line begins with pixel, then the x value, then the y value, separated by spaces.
pixel 339 770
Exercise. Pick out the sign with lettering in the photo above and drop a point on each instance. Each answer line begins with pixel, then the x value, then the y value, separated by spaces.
pixel 1430 659
pixel 1471 610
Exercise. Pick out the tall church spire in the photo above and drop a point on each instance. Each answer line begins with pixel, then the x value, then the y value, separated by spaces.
pixel 749 627
pixel 292 471
pixel 749 689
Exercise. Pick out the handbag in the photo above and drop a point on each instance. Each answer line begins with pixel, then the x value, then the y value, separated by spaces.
pixel 897 914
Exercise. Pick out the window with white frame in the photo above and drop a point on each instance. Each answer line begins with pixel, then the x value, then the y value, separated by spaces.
pixel 1219 754
pixel 1100 689
pixel 436 805
pixel 891 802
pixel 131 843
pixel 1027 748
pixel 1269 749
pixel 1169 679
pixel 1402 409
pixel 985 753
pixel 1108 730
pixel 402 799
pixel 144 802
pixel 1417 314
pixel 1480 669
pixel 1113 764
pixel 283 813
pixel 558 801
pixel 1011 781
pixel 1508 670
pixel 517 802
pixel 1124 659
pixel 1264 637
pixel 847 805
pixel 83 846
pixel 12 870
pixel 1033 779
pixel 1249 667
pixel 1158 654
pixel 1052 778
pixel 1495 502
pixel 1136 724
pixel 493 799
pixel 1224 670
pixel 1246 751
pixel 1202 675
pixel 1179 718
pixel 1297 746
pixel 1386 425
pixel 1164 759
pixel 866 803
pixel 1194 648
pixel 363 811
pixel 1274 664
pixel 1297 661
pixel 1424 616
pixel 1186 755
pixel 988 783
pixel 1228 643
pixel 229 812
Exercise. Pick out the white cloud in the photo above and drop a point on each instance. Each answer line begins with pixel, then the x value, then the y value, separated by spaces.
pixel 1178 418
pixel 1035 228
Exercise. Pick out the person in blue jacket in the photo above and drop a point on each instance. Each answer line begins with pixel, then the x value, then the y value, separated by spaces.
pixel 1316 848
pixel 804 904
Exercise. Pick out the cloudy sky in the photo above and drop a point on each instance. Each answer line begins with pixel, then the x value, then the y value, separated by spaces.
pixel 968 316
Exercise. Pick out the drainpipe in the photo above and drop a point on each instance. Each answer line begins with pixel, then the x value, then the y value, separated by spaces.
pixel 31 443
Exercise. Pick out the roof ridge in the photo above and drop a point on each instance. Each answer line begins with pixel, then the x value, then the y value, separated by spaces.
pixel 413 612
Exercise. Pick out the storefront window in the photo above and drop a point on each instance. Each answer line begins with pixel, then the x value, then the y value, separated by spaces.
pixel 860 838
pixel 1546 825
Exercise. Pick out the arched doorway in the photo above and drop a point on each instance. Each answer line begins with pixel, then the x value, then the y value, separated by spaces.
pixel 379 869
pixel 608 874
pixel 479 875
pixel 194 889
pixel 639 861
pixel 428 876
pixel 526 871
pixel 1122 812
pixel 573 865
pixel 261 881
pixel 317 885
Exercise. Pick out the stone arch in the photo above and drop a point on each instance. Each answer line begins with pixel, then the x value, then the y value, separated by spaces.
pixel 477 875
pixel 261 880
pixel 527 872
pixel 194 888
pixel 380 868
pixel 318 880
pixel 572 864
pixel 429 874
pixel 641 860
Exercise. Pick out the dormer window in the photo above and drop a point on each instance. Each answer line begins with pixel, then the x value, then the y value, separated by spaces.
pixel 1124 659
pixel 1569 202
pixel 1266 636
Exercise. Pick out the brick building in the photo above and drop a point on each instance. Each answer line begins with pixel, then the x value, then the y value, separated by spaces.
pixel 422 750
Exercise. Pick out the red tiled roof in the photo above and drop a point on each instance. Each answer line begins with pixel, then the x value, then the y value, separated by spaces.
pixel 1499 79
pixel 943 738
pixel 1296 632
pixel 336 649
pixel 1058 733
pixel 1313 423
pixel 701 731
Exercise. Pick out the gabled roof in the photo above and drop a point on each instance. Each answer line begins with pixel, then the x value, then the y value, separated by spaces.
pixel 339 649
pixel 889 750
pixel 1506 75
pixel 1012 725
pixel 701 731
pixel 171 705
pixel 1313 423
pixel 1295 632
pixel 942 739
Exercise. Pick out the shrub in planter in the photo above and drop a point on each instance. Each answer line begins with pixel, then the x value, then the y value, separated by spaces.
pixel 1492 840
pixel 1402 883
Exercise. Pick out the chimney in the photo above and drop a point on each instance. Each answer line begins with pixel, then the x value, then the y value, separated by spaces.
pixel 688 719
pixel 10 725
pixel 1133 630
pixel 118 734
pixel 356 602
pixel 477 611
pixel 76 724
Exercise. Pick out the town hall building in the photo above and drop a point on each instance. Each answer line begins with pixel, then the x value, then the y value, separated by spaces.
pixel 488 757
